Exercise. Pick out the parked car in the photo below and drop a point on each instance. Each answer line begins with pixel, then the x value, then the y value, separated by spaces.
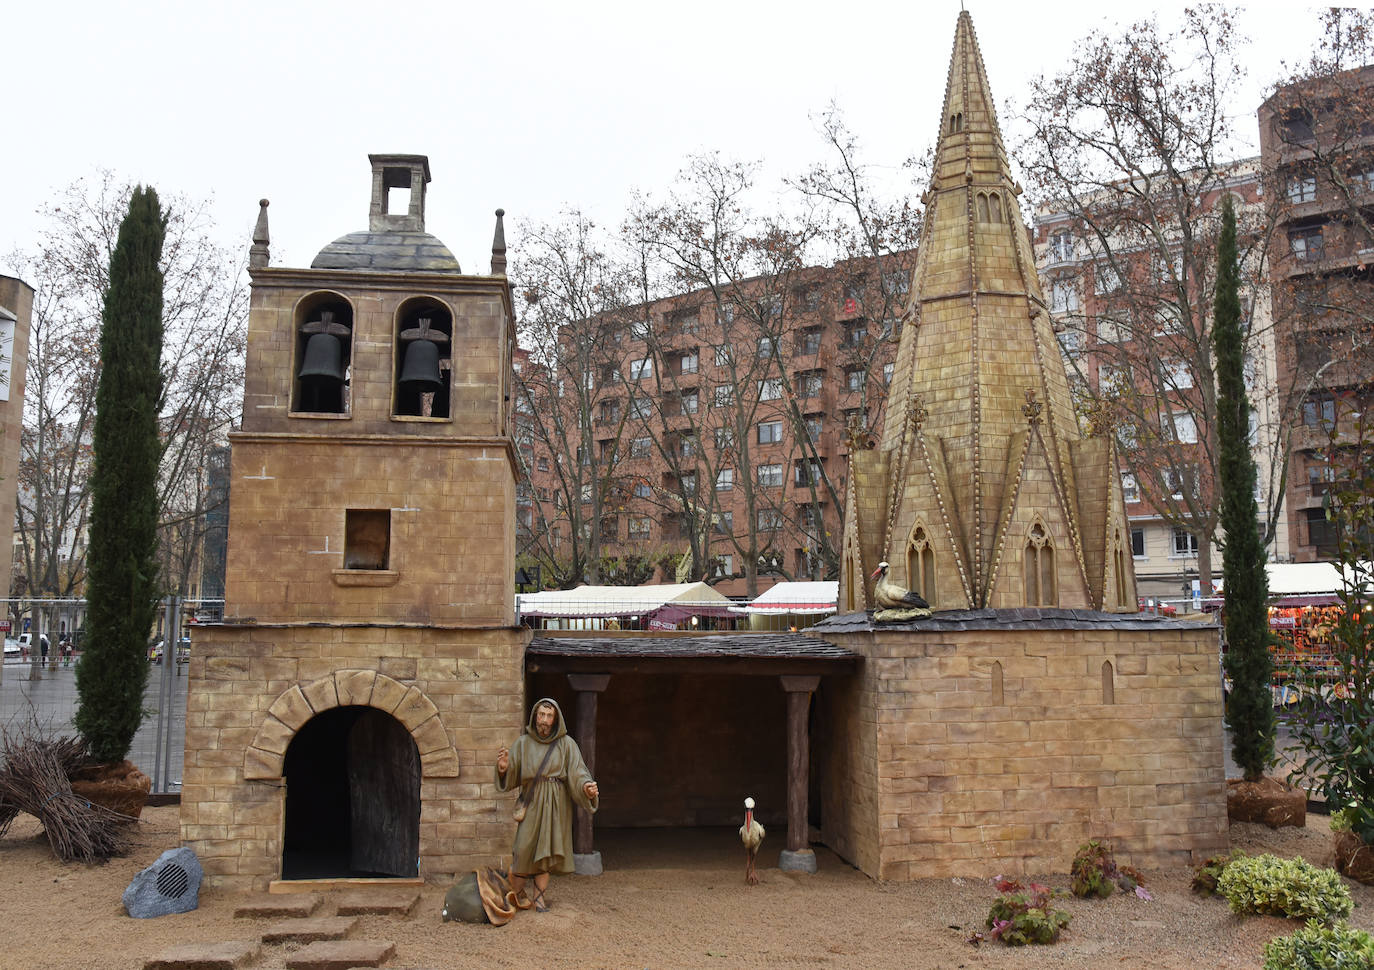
pixel 11 648
pixel 183 651
pixel 26 639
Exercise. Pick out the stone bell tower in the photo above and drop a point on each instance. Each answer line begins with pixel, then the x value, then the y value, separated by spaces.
pixel 369 650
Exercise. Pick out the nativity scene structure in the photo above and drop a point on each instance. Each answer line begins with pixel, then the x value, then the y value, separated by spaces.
pixel 1035 709
pixel 344 720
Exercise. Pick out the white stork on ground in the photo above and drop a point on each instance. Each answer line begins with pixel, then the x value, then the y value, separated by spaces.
pixel 751 834
pixel 887 595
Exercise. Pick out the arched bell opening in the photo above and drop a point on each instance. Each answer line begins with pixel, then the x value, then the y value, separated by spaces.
pixel 323 354
pixel 352 797
pixel 424 359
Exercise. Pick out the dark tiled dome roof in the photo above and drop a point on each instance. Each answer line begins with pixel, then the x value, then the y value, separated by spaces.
pixel 397 251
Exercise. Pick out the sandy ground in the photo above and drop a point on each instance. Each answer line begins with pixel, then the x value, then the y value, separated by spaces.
pixel 666 900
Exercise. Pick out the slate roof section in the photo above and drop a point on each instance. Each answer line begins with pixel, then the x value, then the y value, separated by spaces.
pixel 750 646
pixel 393 251
pixel 1020 618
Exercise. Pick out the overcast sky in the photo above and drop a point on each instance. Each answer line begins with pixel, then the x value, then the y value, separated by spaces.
pixel 530 106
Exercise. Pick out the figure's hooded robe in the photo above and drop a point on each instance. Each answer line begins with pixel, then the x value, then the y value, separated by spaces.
pixel 543 841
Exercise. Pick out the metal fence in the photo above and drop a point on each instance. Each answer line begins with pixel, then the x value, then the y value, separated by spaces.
pixel 38 686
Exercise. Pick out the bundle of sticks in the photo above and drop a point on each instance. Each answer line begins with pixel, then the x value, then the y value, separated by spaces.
pixel 34 778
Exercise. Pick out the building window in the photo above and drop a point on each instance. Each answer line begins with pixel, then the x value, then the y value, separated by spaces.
pixel 1177 374
pixel 813 427
pixel 1061 247
pixel 641 407
pixel 1063 296
pixel 639 527
pixel 722 355
pixel 1040 574
pixel 770 389
pixel 687 446
pixel 809 341
pixel 1130 488
pixel 610 528
pixel 1362 180
pixel 854 379
pixel 1113 326
pixel 640 369
pixel 887 372
pixel 688 482
pixel 1070 341
pixel 1307 244
pixel 1128 435
pixel 1184 427
pixel 725 479
pixel 897 283
pixel 639 447
pixel 1319 479
pixel 1321 532
pixel 1169 268
pixel 610 412
pixel 770 432
pixel 725 314
pixel 1302 189
pixel 770 476
pixel 642 489
pixel 543 463
pixel 1105 278
pixel 689 363
pixel 367 538
pixel 855 334
pixel 1138 543
pixel 723 396
pixel 807 471
pixel 809 384
pixel 1173 483
pixel 724 522
pixel 1185 543
pixel 768 347
pixel 585 493
pixel 769 520
pixel 1319 412
pixel 725 438
pixel 725 565
pixel 689 402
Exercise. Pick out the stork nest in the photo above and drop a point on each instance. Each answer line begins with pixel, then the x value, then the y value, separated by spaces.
pixel 35 778
pixel 903 613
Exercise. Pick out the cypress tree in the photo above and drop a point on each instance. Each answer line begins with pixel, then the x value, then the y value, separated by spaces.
pixel 1250 708
pixel 121 585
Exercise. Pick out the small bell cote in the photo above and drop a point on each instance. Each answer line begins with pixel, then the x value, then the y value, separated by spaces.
pixel 392 177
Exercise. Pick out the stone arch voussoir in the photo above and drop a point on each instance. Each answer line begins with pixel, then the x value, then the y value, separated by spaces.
pixel 266 756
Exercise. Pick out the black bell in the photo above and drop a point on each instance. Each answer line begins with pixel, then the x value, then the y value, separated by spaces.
pixel 420 369
pixel 323 357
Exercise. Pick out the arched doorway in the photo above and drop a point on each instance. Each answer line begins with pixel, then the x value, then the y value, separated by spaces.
pixel 352 797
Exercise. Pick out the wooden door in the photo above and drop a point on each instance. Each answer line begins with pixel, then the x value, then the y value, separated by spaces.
pixel 384 796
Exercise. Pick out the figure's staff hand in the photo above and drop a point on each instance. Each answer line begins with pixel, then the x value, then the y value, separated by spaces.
pixel 502 760
pixel 591 789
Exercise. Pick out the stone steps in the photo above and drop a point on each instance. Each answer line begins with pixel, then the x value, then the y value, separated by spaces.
pixel 325 937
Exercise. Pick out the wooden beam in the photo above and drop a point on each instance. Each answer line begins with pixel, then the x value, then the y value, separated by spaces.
pixel 799 690
pixel 587 687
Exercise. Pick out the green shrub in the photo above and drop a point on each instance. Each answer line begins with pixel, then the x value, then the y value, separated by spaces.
pixel 1317 947
pixel 1271 886
pixel 1026 917
pixel 1206 875
pixel 1343 820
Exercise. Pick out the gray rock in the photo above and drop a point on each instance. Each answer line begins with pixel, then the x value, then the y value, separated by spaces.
pixel 169 885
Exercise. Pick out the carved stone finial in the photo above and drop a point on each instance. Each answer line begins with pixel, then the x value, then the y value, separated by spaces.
pixel 498 245
pixel 258 252
pixel 1032 408
pixel 918 412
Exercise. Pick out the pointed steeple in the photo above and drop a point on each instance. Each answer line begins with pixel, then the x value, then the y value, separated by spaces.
pixel 980 435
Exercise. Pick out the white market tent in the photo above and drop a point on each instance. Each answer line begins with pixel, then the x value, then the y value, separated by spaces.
pixel 657 607
pixel 800 598
pixel 1298 583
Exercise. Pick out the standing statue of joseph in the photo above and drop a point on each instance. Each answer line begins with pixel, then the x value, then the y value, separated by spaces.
pixel 547 766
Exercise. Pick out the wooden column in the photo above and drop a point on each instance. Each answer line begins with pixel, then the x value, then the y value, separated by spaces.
pixel 799 690
pixel 587 687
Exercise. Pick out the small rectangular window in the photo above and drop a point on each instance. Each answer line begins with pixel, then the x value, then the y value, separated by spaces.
pixel 770 432
pixel 1138 543
pixel 367 538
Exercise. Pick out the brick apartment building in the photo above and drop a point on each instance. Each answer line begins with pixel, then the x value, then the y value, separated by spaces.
pixel 725 412
pixel 1317 155
pixel 1113 330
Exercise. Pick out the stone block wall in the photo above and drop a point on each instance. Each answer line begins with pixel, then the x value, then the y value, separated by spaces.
pixel 1002 750
pixel 452 550
pixel 459 693
pixel 16 296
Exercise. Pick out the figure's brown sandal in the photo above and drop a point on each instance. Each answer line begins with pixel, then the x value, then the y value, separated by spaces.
pixel 539 905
